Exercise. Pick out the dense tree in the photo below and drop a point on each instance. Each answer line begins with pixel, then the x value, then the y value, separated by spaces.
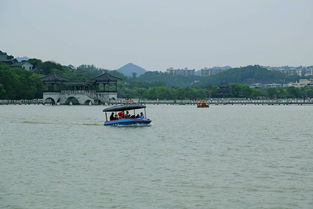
pixel 2 91
pixel 17 83
pixel 168 79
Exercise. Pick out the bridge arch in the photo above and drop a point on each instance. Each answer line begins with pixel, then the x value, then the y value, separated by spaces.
pixel 88 102
pixel 50 100
pixel 72 100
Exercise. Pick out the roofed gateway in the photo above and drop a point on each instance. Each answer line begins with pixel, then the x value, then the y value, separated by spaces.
pixel 60 90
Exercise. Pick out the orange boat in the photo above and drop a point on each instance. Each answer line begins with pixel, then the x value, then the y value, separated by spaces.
pixel 202 103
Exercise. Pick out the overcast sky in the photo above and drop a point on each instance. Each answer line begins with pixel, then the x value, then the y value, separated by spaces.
pixel 158 34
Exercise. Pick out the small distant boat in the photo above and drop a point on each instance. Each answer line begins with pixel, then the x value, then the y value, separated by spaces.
pixel 202 103
pixel 119 118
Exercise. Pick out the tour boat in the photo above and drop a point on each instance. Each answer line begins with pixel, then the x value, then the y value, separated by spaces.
pixel 118 117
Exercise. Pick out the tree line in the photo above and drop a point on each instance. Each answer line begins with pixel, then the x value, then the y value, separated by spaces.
pixel 17 83
pixel 226 91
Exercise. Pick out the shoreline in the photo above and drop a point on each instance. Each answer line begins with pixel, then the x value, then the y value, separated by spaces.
pixel 216 101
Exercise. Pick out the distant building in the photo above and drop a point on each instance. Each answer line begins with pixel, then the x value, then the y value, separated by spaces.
pixel 294 71
pixel 183 72
pixel 256 85
pixel 209 71
pixel 308 71
pixel 9 60
pixel 273 85
pixel 212 71
pixel 301 83
pixel 24 64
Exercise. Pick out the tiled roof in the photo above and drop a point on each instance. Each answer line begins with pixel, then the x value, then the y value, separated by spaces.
pixel 53 77
pixel 56 78
pixel 105 77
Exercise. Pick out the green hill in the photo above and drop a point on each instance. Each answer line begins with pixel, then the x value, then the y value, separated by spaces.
pixel 168 79
pixel 131 69
pixel 246 75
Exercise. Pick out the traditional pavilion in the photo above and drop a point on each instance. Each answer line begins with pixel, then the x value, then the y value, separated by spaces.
pixel 60 90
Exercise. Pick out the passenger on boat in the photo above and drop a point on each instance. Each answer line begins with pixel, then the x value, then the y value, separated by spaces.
pixel 127 115
pixel 141 116
pixel 112 117
pixel 120 115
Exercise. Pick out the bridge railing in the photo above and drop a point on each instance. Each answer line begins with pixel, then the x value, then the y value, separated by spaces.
pixel 89 93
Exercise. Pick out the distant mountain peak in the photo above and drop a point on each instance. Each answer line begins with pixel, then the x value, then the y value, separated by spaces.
pixel 130 69
pixel 131 64
pixel 20 59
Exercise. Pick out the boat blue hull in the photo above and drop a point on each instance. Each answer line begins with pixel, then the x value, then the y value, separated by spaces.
pixel 128 122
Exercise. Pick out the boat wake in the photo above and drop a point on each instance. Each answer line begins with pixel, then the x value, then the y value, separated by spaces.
pixel 131 126
pixel 58 123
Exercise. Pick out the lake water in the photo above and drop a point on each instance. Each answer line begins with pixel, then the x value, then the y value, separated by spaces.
pixel 222 157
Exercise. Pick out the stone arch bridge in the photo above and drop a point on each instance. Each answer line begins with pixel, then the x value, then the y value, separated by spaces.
pixel 59 90
pixel 80 97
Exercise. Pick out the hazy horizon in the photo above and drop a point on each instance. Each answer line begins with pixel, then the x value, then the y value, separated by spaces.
pixel 160 34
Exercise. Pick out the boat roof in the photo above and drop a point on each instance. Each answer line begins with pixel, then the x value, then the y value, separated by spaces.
pixel 124 107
